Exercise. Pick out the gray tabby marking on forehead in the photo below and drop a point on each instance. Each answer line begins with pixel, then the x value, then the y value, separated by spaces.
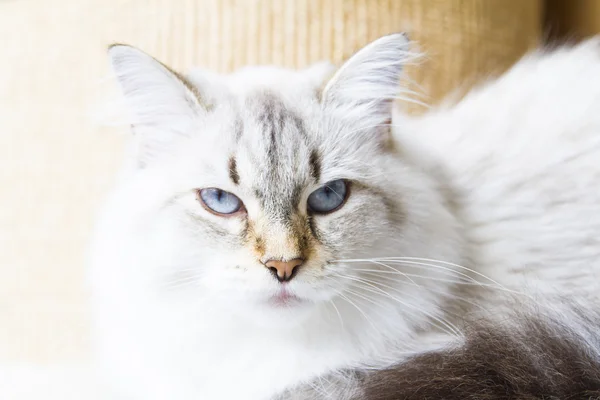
pixel 315 165
pixel 238 128
pixel 283 137
pixel 274 119
pixel 233 173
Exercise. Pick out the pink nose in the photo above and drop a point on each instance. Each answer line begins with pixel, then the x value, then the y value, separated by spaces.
pixel 284 270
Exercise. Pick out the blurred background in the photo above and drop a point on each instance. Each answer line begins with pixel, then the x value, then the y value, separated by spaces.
pixel 56 163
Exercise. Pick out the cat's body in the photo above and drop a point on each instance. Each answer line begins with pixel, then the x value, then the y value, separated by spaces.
pixel 504 183
pixel 532 354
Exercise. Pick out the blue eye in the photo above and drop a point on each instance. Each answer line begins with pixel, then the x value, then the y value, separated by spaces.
pixel 219 201
pixel 329 197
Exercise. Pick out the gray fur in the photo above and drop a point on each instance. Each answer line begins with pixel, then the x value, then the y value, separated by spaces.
pixel 284 152
pixel 529 355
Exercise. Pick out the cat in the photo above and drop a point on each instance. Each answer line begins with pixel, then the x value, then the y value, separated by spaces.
pixel 283 234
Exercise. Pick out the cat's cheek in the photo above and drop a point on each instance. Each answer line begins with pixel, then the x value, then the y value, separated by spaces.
pixel 356 229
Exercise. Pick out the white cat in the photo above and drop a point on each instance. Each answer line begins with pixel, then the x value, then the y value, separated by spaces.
pixel 272 228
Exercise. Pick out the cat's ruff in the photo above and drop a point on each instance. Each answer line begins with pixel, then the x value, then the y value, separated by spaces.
pixel 445 215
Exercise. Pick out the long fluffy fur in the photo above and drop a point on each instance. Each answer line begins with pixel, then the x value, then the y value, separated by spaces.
pixel 447 213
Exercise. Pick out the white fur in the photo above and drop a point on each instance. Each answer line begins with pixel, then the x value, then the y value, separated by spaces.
pixel 523 153
pixel 503 183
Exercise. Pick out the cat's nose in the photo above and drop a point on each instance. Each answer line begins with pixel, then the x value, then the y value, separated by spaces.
pixel 284 270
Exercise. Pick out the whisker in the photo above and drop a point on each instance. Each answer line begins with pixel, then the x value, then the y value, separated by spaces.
pixel 364 297
pixel 452 329
pixel 175 283
pixel 408 275
pixel 411 100
pixel 407 295
pixel 430 289
pixel 338 313
pixel 317 389
pixel 411 261
pixel 358 308
pixel 450 264
pixel 416 261
pixel 395 270
pixel 435 279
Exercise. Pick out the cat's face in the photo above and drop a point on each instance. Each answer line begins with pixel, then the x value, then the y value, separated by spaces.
pixel 251 190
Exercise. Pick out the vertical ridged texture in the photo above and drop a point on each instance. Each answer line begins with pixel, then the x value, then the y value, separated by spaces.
pixel 569 19
pixel 56 164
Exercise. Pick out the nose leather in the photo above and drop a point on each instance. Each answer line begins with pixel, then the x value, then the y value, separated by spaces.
pixel 284 270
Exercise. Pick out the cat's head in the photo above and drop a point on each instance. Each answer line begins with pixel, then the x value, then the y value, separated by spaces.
pixel 250 190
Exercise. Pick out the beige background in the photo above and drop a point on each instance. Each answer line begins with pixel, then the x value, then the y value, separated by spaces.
pixel 56 164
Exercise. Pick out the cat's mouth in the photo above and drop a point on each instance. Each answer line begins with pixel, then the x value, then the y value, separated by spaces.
pixel 284 298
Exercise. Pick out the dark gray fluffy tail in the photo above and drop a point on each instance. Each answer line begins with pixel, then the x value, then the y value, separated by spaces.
pixel 528 356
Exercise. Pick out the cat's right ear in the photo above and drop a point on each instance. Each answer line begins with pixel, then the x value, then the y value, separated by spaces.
pixel 162 107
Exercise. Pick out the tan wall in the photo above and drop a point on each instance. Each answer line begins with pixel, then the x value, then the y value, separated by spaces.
pixel 566 19
pixel 56 165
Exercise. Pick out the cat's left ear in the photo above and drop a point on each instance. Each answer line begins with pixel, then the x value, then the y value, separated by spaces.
pixel 365 87
pixel 162 105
